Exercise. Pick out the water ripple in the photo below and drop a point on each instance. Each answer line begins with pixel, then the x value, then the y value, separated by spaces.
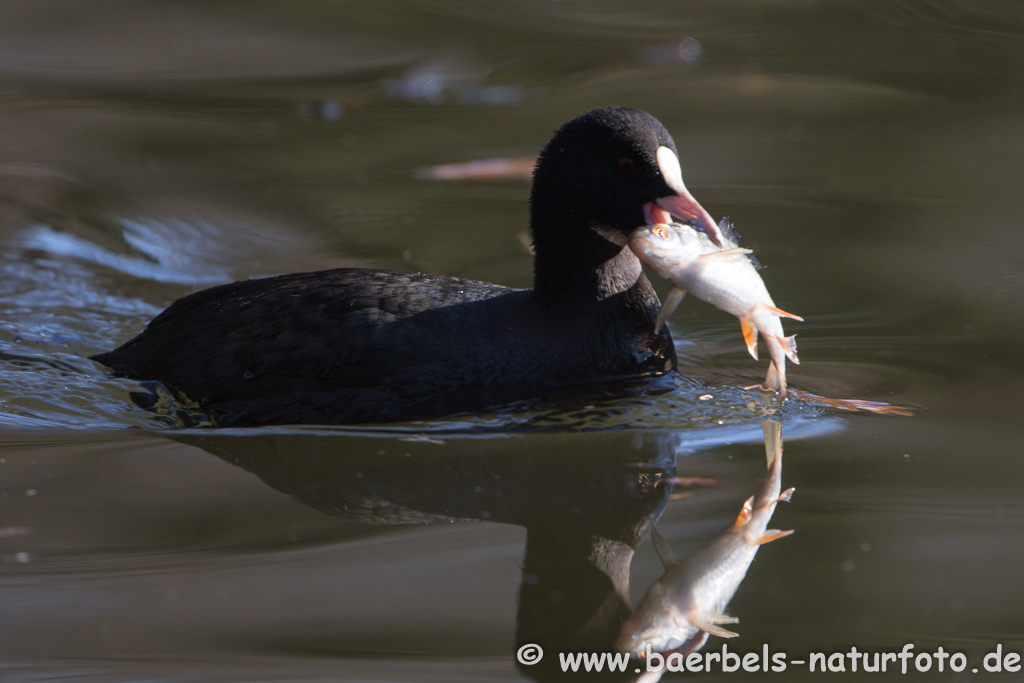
pixel 171 265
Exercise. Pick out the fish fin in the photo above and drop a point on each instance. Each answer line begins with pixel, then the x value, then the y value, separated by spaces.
pixel 789 346
pixel 734 254
pixel 672 300
pixel 771 535
pixel 668 558
pixel 745 512
pixel 730 234
pixel 729 230
pixel 709 623
pixel 720 619
pixel 781 313
pixel 786 495
pixel 749 335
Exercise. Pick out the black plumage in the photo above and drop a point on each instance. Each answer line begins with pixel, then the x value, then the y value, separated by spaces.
pixel 357 345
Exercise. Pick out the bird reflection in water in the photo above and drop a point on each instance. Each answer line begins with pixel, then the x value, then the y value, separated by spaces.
pixel 585 512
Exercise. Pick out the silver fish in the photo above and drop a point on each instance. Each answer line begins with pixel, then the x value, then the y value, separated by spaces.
pixel 722 276
pixel 689 600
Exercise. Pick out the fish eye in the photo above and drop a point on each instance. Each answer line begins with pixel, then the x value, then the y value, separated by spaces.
pixel 660 231
pixel 627 165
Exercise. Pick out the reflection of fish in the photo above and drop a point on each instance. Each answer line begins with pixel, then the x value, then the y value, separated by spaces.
pixel 724 277
pixel 690 599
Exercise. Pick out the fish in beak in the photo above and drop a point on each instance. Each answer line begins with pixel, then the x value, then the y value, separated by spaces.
pixel 681 204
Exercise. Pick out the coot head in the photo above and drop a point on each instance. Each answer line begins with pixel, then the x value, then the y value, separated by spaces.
pixel 604 174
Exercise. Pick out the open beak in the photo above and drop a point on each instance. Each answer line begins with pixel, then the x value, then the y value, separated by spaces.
pixel 682 205
pixel 687 210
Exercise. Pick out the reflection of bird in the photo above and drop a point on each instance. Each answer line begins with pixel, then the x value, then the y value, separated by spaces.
pixel 584 509
pixel 355 345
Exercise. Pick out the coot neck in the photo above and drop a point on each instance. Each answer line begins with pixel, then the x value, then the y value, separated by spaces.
pixel 584 265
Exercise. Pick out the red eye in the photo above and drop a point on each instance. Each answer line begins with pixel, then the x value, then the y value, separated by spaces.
pixel 627 165
pixel 660 232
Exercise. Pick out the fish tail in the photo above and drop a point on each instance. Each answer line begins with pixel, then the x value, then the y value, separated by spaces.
pixel 772 440
pixel 776 380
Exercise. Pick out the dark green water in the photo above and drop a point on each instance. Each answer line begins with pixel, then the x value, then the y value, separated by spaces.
pixel 871 154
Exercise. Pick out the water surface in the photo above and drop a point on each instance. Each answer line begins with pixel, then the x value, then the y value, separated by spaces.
pixel 869 153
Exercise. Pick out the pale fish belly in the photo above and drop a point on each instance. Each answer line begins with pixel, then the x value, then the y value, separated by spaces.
pixel 733 286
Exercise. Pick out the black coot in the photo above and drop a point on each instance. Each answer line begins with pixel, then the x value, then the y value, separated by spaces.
pixel 355 346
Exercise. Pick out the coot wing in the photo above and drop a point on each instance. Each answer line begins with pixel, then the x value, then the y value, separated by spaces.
pixel 302 334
